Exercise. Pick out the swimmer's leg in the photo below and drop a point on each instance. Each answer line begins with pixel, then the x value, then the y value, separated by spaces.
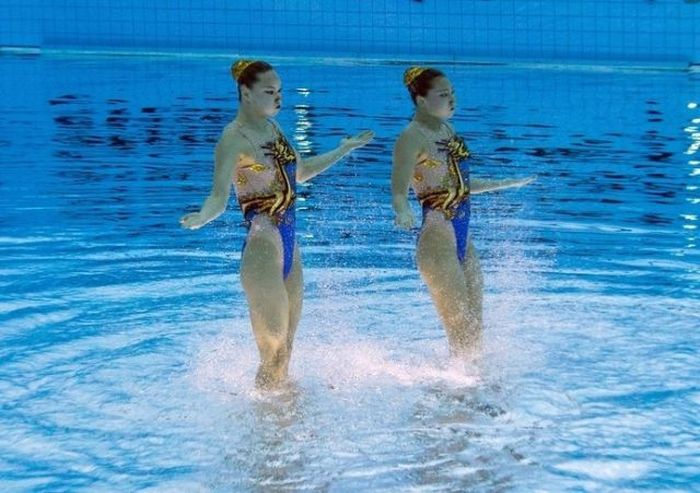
pixel 268 303
pixel 475 287
pixel 441 271
pixel 295 293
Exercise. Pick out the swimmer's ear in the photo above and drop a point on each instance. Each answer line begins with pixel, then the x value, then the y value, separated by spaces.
pixel 245 93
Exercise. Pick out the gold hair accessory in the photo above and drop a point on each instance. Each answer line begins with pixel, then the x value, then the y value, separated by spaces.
pixel 239 67
pixel 412 74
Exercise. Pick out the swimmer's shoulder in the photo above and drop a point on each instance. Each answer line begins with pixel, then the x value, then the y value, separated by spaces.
pixel 232 140
pixel 231 133
pixel 411 139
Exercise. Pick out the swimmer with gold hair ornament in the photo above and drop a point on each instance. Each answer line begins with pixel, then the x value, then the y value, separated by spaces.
pixel 254 155
pixel 432 159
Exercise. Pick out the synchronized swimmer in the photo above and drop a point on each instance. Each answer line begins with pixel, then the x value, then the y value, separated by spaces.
pixel 255 156
pixel 432 159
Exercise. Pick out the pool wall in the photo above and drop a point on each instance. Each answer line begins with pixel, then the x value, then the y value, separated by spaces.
pixel 666 31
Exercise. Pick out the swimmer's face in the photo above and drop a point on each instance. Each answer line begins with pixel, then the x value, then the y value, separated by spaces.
pixel 440 101
pixel 266 94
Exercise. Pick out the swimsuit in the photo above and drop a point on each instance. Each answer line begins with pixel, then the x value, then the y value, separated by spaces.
pixel 277 203
pixel 451 197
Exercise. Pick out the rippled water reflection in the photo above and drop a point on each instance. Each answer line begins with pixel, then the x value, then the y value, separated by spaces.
pixel 127 361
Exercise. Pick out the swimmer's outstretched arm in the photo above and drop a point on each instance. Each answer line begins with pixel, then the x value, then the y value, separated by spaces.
pixel 215 203
pixel 308 168
pixel 477 185
pixel 406 151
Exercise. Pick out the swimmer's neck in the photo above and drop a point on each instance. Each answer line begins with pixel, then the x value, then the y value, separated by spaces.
pixel 249 118
pixel 427 120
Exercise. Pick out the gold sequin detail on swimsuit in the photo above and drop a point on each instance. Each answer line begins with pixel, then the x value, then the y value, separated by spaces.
pixel 257 167
pixel 430 163
pixel 281 195
pixel 456 149
pixel 280 151
pixel 455 190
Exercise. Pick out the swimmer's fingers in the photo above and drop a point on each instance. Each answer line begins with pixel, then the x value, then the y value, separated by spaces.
pixel 520 182
pixel 358 140
pixel 528 180
pixel 191 221
pixel 405 221
pixel 365 136
pixel 407 225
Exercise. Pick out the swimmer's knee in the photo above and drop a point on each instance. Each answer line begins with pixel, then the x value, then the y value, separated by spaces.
pixel 272 345
pixel 275 343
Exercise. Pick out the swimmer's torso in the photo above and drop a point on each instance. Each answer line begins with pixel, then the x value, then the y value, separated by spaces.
pixel 265 180
pixel 441 175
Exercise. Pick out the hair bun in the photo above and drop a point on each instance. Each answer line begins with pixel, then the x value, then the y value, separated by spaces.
pixel 411 74
pixel 239 67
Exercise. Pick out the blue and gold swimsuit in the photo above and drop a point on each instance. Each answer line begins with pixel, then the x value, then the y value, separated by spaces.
pixel 441 181
pixel 278 201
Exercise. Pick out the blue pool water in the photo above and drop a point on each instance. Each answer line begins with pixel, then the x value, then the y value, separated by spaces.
pixel 126 356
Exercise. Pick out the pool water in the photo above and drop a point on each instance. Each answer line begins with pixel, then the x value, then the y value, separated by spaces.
pixel 126 355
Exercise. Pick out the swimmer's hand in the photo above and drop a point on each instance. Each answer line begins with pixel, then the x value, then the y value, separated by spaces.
pixel 405 219
pixel 481 186
pixel 524 181
pixel 358 140
pixel 193 220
